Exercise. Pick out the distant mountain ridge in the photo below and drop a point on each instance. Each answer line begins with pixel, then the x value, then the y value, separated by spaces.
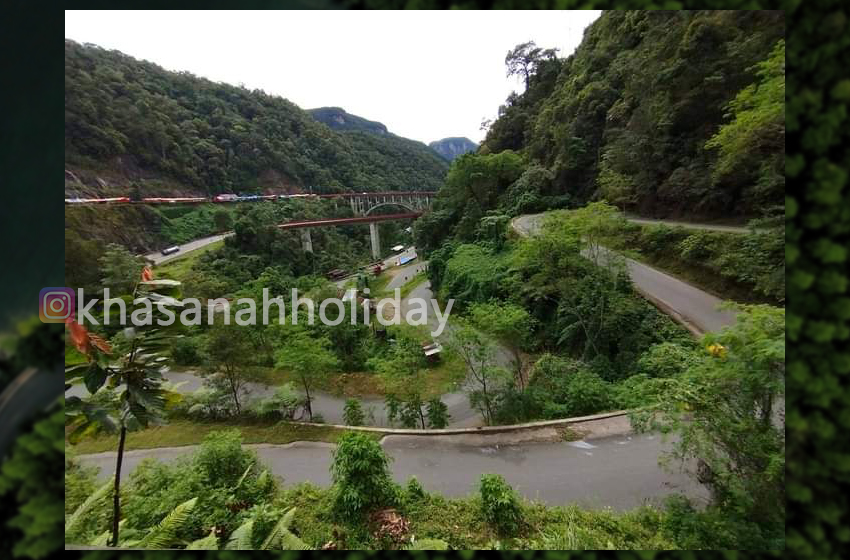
pixel 455 146
pixel 338 119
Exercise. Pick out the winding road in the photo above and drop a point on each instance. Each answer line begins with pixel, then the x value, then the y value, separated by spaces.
pixel 619 471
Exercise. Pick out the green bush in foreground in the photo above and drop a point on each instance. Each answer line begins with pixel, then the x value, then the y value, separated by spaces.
pixel 361 476
pixel 352 413
pixel 499 504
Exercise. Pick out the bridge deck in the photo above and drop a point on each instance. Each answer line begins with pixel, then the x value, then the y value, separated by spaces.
pixel 355 220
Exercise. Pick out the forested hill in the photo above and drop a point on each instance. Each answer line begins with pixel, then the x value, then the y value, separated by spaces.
pixel 661 112
pixel 131 125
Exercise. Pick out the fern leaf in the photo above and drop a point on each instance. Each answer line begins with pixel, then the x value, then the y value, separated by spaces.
pixel 274 536
pixel 240 539
pixel 210 542
pixel 75 522
pixel 101 540
pixel 242 478
pixel 288 541
pixel 164 534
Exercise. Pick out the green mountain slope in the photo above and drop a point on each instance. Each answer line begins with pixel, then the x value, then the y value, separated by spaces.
pixel 130 124
pixel 631 115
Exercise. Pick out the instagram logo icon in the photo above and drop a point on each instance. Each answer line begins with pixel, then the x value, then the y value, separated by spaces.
pixel 55 305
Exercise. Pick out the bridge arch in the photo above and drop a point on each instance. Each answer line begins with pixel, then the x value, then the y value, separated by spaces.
pixel 400 204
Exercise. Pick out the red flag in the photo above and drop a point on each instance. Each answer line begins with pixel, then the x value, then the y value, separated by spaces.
pixel 147 274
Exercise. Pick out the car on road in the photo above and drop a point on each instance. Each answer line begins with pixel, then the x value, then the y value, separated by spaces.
pixel 170 250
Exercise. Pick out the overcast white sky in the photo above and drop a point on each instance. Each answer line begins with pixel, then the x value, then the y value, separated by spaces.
pixel 425 75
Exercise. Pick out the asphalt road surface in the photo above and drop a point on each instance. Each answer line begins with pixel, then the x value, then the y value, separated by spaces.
pixel 621 472
pixel 159 258
pixel 698 309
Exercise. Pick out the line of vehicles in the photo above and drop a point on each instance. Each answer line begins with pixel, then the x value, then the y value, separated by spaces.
pixel 220 198
pixel 188 199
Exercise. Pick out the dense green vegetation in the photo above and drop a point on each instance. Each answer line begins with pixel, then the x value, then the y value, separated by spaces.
pixel 659 112
pixel 364 508
pixel 140 128
pixel 547 294
pixel 747 268
pixel 579 339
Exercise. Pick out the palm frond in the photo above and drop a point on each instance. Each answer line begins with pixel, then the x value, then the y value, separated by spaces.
pixel 165 533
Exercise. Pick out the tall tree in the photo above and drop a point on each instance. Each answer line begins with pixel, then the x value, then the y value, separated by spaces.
pixel 511 325
pixel 478 353
pixel 229 352
pixel 309 359
pixel 524 59
pixel 120 269
pixel 130 372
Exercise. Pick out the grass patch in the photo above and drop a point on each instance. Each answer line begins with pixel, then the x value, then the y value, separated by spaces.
pixel 411 284
pixel 179 268
pixel 459 523
pixel 184 432
pixel 442 377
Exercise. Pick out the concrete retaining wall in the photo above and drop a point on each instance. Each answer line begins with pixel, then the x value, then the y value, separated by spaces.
pixel 595 425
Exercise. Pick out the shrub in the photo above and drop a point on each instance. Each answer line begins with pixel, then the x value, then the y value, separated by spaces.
pixel 207 403
pixel 361 476
pixel 499 504
pixel 667 359
pixel 587 393
pixel 226 479
pixel 184 352
pixel 562 387
pixel 281 405
pixel 716 528
pixel 352 413
pixel 414 491
pixel 638 391
pixel 438 414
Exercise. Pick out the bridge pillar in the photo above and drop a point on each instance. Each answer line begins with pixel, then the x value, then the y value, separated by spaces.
pixel 376 240
pixel 306 240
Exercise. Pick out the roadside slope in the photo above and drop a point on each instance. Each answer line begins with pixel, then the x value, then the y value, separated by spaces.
pixel 695 309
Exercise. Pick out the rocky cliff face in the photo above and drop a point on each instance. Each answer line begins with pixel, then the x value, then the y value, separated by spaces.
pixel 338 119
pixel 450 148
